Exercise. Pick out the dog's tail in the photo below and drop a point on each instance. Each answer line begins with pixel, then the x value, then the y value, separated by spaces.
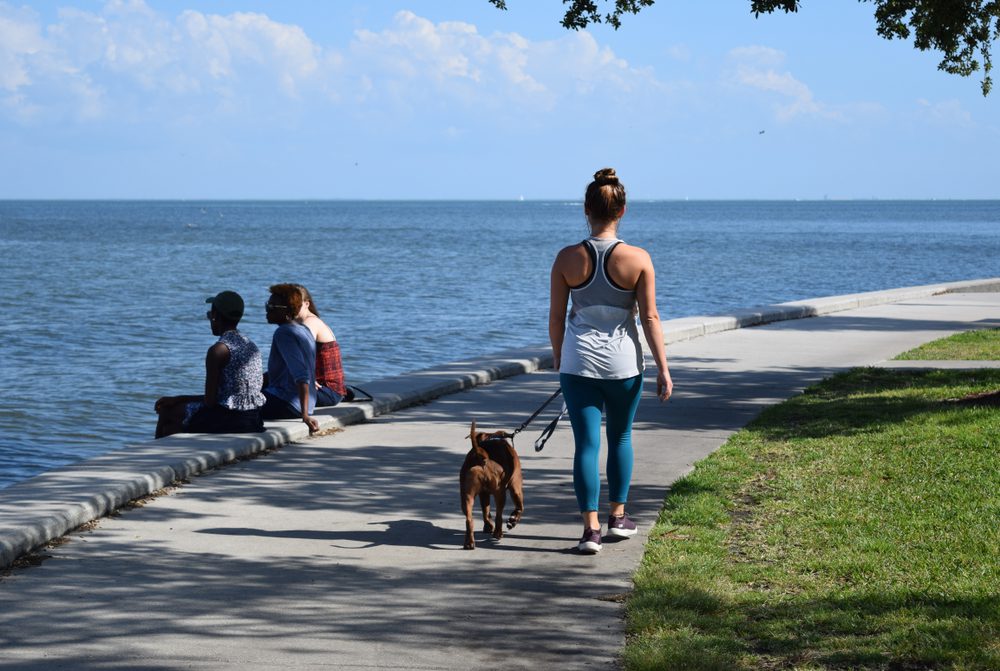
pixel 480 452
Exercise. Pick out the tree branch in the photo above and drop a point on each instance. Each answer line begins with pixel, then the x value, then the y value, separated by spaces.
pixel 962 30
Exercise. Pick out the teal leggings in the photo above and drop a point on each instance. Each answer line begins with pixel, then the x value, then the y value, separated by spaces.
pixel 586 398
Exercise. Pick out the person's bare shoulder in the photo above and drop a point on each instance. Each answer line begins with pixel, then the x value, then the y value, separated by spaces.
pixel 573 264
pixel 632 251
pixel 218 352
pixel 571 254
pixel 632 257
pixel 576 248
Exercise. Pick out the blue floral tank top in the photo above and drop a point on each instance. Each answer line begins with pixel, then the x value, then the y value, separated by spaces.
pixel 242 378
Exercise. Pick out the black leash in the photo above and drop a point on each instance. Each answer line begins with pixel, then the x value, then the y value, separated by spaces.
pixel 547 431
pixel 537 412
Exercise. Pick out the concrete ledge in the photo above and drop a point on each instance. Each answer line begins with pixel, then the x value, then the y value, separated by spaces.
pixel 980 287
pixel 45 507
pixel 35 511
pixel 693 327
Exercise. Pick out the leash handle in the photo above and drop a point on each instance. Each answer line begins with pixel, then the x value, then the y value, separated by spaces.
pixel 547 431
pixel 544 405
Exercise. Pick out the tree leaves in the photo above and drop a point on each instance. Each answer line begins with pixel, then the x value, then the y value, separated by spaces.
pixel 962 30
pixel 581 13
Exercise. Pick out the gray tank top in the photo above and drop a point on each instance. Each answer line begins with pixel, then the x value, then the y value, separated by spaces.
pixel 602 336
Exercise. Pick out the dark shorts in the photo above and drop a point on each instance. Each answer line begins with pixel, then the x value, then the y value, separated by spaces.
pixel 326 397
pixel 276 408
pixel 217 419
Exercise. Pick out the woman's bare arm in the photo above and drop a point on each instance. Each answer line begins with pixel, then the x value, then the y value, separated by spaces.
pixel 645 290
pixel 215 360
pixel 558 301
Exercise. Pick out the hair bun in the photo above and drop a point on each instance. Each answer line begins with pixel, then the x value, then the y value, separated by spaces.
pixel 606 176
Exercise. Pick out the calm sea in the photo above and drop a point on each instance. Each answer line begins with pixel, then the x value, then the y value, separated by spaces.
pixel 103 301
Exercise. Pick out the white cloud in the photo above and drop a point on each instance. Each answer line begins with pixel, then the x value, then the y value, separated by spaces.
pixel 678 52
pixel 512 59
pixel 758 56
pixel 20 40
pixel 414 57
pixel 947 112
pixel 88 62
pixel 128 59
pixel 36 73
pixel 414 49
pixel 761 68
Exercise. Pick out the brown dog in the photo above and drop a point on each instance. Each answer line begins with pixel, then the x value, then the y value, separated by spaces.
pixel 491 468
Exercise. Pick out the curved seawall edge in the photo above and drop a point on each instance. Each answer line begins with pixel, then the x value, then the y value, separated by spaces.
pixel 45 507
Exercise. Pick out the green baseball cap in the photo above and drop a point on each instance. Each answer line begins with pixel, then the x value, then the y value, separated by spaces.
pixel 228 304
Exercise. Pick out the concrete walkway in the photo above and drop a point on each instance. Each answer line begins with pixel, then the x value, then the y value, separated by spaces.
pixel 345 550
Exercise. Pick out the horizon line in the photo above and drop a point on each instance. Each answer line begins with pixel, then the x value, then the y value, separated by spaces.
pixel 4 199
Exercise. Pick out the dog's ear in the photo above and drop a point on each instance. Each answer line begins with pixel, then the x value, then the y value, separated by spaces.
pixel 472 434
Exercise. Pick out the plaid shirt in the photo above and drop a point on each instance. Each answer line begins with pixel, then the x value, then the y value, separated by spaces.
pixel 329 369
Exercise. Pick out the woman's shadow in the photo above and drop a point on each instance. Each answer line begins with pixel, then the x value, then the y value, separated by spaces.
pixel 392 533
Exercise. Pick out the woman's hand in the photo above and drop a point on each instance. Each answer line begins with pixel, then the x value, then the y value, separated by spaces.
pixel 311 422
pixel 664 385
pixel 304 404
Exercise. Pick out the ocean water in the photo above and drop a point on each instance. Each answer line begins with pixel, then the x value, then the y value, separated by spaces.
pixel 103 301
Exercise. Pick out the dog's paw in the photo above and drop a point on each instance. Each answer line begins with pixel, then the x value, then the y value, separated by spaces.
pixel 512 521
pixel 470 546
pixel 488 528
pixel 498 534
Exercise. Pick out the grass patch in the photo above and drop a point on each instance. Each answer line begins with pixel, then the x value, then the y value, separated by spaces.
pixel 981 345
pixel 852 527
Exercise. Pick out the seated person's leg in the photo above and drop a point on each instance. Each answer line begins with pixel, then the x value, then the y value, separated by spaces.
pixel 217 419
pixel 276 408
pixel 326 397
pixel 170 418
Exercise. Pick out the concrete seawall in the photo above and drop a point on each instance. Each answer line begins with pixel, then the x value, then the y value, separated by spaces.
pixel 45 507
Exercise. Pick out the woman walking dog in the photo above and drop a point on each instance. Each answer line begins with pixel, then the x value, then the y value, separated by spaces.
pixel 598 354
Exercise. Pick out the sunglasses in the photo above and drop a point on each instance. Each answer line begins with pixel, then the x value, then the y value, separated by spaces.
pixel 274 306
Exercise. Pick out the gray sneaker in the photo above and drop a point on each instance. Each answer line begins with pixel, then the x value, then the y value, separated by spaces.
pixel 622 527
pixel 591 542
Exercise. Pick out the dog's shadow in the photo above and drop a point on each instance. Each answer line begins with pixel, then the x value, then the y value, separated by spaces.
pixel 392 533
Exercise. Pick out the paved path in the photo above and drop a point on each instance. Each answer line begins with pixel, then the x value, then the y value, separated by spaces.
pixel 345 551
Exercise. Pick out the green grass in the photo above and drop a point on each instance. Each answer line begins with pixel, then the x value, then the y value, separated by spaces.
pixel 982 345
pixel 852 527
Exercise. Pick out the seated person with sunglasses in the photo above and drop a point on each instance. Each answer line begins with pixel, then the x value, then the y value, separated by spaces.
pixel 290 386
pixel 233 377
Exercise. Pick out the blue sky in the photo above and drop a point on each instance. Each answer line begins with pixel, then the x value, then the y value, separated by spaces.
pixel 458 100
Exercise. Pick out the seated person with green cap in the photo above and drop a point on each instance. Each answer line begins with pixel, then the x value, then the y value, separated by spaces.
pixel 233 378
